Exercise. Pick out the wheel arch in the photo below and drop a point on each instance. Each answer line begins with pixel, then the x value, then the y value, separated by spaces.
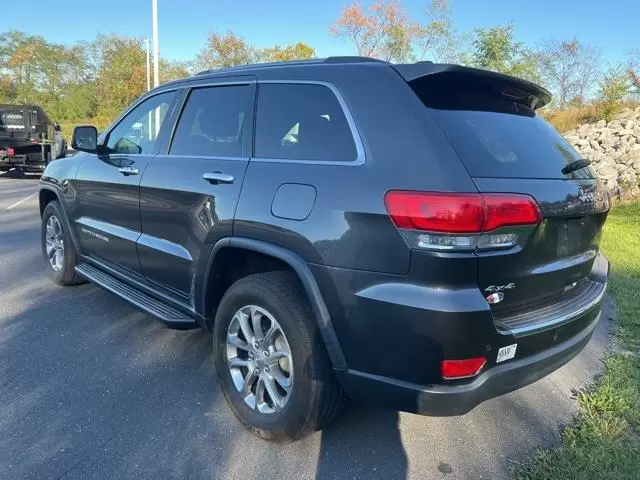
pixel 211 292
pixel 47 195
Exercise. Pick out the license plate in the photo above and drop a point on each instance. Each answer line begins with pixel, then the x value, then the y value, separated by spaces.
pixel 506 353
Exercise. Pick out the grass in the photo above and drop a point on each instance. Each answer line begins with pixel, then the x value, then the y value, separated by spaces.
pixel 572 117
pixel 604 441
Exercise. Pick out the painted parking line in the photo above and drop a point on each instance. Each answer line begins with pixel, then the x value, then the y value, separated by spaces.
pixel 20 202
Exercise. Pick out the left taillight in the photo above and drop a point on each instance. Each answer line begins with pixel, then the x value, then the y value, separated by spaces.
pixel 460 221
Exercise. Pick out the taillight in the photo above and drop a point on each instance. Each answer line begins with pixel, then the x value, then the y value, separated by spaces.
pixel 456 369
pixel 34 140
pixel 10 152
pixel 502 210
pixel 460 221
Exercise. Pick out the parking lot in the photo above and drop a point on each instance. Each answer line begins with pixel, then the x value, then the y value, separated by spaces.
pixel 92 388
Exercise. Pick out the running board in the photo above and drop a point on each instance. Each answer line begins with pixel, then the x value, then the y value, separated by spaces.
pixel 170 316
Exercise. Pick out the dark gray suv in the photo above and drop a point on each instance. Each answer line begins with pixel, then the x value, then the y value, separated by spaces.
pixel 409 235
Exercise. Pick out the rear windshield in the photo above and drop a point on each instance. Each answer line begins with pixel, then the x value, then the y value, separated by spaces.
pixel 499 137
pixel 12 119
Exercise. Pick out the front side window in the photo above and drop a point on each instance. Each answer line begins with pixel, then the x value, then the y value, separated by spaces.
pixel 213 122
pixel 302 122
pixel 138 130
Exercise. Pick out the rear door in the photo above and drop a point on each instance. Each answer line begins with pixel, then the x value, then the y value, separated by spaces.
pixel 189 193
pixel 108 197
pixel 507 148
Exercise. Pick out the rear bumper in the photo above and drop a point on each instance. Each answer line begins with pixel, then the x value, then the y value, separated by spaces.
pixel 448 400
pixel 395 332
pixel 27 157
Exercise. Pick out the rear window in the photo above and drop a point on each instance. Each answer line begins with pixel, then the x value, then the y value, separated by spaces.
pixel 302 122
pixel 12 119
pixel 497 137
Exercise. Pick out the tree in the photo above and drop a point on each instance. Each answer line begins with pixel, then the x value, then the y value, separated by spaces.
pixel 633 70
pixel 299 51
pixel 570 68
pixel 437 39
pixel 172 70
pixel 225 50
pixel 382 30
pixel 494 48
pixel 120 73
pixel 614 86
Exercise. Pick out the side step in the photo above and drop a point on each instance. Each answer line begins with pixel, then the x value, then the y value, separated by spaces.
pixel 170 316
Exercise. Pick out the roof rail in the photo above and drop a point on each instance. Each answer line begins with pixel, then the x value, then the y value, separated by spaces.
pixel 313 61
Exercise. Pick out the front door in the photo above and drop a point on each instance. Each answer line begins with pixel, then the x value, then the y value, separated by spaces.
pixel 188 195
pixel 107 218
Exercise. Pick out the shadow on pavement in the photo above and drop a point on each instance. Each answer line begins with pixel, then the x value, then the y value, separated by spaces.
pixel 365 443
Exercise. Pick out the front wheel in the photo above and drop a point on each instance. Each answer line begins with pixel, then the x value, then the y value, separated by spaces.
pixel 57 247
pixel 270 359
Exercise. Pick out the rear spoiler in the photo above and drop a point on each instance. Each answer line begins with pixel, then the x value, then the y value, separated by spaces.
pixel 516 89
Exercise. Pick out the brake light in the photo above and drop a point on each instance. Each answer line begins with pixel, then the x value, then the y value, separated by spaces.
pixel 456 369
pixel 503 210
pixel 448 215
pixel 10 152
pixel 436 212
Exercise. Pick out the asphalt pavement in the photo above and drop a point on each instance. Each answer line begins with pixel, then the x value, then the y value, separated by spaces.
pixel 91 388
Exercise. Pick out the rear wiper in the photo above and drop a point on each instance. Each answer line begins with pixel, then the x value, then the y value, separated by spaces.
pixel 576 165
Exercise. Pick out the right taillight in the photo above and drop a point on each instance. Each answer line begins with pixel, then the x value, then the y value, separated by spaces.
pixel 460 221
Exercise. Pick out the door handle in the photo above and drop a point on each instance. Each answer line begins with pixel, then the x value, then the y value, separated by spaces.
pixel 129 171
pixel 218 177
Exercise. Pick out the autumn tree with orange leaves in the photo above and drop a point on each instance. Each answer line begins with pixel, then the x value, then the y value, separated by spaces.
pixel 383 29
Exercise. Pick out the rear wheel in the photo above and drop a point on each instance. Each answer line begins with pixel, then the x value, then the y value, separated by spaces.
pixel 57 247
pixel 270 359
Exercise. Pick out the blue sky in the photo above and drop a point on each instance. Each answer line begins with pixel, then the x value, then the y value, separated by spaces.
pixel 183 24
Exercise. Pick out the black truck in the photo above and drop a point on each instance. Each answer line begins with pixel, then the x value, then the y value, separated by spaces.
pixel 27 137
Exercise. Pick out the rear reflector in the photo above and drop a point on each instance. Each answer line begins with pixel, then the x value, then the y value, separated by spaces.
pixel 452 369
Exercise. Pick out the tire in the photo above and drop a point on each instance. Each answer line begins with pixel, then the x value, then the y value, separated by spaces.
pixel 66 274
pixel 315 397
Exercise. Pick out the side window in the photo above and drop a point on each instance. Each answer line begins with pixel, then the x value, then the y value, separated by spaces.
pixel 213 122
pixel 137 131
pixel 302 122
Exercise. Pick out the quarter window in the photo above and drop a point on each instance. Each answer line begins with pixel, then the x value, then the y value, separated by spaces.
pixel 302 122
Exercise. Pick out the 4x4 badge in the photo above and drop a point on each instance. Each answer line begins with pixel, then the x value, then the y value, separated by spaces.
pixel 499 288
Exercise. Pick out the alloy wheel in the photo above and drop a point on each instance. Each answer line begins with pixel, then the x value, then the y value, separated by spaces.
pixel 259 359
pixel 54 243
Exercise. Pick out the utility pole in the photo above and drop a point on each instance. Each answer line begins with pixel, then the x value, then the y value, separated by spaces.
pixel 156 54
pixel 156 58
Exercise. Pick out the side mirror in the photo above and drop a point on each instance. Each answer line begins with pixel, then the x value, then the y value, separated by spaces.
pixel 57 127
pixel 85 138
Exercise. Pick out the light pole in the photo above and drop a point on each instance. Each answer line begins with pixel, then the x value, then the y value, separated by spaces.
pixel 156 58
pixel 156 54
